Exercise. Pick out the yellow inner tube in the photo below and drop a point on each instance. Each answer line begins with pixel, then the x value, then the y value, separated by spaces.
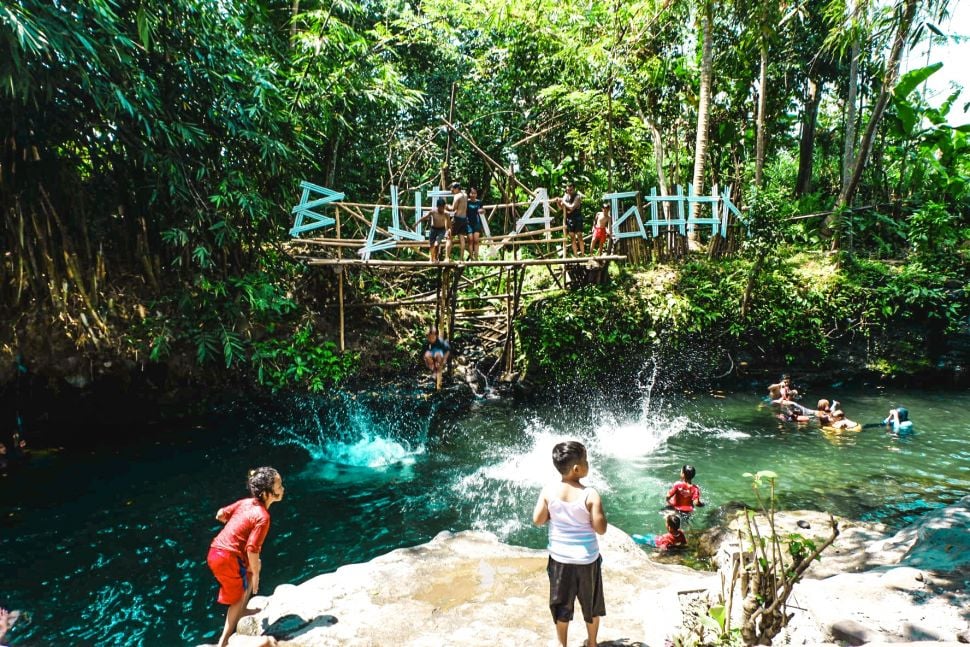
pixel 836 430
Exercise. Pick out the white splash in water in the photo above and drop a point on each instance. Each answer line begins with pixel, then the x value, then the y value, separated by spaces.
pixel 369 451
pixel 728 434
pixel 634 438
pixel 345 436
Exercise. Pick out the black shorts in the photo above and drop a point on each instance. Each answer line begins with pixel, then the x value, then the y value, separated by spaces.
pixel 570 581
pixel 437 235
pixel 459 227
pixel 574 224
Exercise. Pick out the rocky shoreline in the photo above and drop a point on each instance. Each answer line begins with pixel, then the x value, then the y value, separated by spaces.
pixel 871 587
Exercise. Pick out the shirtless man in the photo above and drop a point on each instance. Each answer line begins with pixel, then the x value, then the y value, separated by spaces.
pixel 459 220
pixel 571 202
pixel 439 227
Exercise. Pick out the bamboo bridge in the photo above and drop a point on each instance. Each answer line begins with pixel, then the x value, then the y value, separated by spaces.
pixel 392 239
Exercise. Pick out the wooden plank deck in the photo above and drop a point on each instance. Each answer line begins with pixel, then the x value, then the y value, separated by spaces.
pixel 581 260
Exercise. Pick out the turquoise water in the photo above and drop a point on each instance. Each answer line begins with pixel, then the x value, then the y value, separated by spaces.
pixel 107 545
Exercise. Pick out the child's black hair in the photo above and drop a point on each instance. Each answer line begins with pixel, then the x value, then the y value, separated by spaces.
pixel 441 202
pixel 567 454
pixel 673 522
pixel 261 481
pixel 688 472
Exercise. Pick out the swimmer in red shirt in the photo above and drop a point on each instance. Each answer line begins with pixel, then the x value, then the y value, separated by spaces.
pixel 684 495
pixel 234 553
pixel 675 536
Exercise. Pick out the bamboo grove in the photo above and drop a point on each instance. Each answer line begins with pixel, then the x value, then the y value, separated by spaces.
pixel 151 150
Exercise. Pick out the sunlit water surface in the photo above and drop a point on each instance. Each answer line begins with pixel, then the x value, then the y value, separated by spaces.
pixel 108 546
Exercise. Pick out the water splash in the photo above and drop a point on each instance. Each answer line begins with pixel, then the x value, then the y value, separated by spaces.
pixel 348 433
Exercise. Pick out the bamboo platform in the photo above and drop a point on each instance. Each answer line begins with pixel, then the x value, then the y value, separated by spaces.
pixel 578 260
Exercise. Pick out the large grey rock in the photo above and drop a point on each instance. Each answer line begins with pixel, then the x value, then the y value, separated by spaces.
pixel 914 588
pixel 470 589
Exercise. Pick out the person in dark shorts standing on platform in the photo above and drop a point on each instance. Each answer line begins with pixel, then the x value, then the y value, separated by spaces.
pixel 439 227
pixel 475 227
pixel 575 515
pixel 572 202
pixel 459 220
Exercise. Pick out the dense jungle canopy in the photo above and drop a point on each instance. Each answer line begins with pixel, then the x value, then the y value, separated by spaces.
pixel 151 150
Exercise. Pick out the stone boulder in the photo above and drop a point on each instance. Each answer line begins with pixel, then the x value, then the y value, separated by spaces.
pixel 871 588
pixel 469 589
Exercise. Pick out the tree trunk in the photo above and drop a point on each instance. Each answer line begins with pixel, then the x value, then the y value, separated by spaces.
pixel 609 133
pixel 865 145
pixel 806 146
pixel 700 146
pixel 294 10
pixel 848 146
pixel 759 160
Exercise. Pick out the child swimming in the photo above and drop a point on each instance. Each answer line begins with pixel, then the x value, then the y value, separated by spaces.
pixel 684 495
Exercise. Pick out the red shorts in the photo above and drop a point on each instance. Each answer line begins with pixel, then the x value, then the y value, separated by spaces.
pixel 599 235
pixel 230 572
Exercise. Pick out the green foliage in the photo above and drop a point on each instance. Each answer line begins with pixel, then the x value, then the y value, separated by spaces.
pixel 243 322
pixel 591 331
pixel 804 308
pixel 170 138
pixel 301 361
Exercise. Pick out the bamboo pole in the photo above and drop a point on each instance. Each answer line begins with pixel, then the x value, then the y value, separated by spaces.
pixel 451 117
pixel 496 263
pixel 340 286
pixel 485 155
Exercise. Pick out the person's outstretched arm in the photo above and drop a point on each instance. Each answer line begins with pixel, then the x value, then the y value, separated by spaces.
pixel 540 515
pixel 597 515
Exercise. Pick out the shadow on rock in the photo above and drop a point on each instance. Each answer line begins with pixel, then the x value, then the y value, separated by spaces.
pixel 291 625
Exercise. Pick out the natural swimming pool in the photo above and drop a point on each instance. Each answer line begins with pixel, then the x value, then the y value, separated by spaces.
pixel 107 545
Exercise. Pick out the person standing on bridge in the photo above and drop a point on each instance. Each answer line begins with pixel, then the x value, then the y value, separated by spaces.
pixel 601 229
pixel 475 227
pixel 572 202
pixel 459 220
pixel 439 227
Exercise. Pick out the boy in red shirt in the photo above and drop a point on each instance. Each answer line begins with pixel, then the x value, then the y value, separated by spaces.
pixel 684 495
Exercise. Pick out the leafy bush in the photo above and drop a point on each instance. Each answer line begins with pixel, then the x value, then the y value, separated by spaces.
pixel 245 322
pixel 301 362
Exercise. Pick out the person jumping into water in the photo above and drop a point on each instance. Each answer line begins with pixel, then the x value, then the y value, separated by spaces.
pixel 234 553
pixel 436 354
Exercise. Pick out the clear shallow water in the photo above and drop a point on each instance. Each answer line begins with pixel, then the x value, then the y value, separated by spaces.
pixel 108 546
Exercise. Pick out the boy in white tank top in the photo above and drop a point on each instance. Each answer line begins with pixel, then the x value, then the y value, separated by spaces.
pixel 575 515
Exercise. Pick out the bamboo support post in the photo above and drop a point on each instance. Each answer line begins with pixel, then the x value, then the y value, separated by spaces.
pixel 340 286
pixel 485 156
